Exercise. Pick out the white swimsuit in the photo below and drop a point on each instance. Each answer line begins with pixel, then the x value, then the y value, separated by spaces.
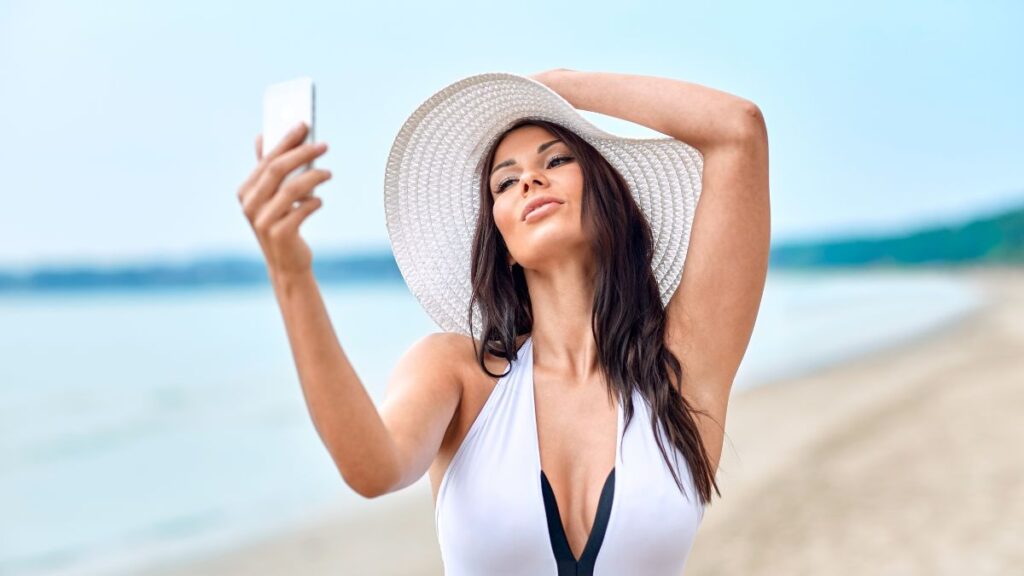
pixel 496 513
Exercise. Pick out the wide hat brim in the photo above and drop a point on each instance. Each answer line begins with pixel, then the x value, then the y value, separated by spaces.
pixel 432 182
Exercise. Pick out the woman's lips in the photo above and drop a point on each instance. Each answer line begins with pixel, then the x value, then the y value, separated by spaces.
pixel 542 211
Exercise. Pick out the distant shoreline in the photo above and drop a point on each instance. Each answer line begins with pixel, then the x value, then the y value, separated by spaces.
pixel 354 270
pixel 994 238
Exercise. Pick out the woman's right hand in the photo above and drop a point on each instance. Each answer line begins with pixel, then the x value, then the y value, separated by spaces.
pixel 275 211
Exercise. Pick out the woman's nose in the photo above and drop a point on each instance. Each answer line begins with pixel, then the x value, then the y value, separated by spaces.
pixel 532 179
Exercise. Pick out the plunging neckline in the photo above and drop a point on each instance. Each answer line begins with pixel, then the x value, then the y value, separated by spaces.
pixel 609 484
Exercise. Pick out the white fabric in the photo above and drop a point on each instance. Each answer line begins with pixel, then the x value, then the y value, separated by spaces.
pixel 490 516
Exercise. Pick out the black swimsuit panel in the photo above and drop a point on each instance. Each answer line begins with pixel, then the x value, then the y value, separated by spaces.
pixel 568 565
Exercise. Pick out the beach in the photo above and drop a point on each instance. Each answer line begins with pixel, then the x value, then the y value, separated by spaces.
pixel 902 461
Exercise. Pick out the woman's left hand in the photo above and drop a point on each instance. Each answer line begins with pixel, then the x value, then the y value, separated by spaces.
pixel 545 76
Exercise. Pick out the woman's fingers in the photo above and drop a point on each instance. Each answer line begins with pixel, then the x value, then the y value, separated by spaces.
pixel 254 193
pixel 279 205
pixel 290 140
pixel 283 164
pixel 290 223
pixel 276 204
pixel 247 186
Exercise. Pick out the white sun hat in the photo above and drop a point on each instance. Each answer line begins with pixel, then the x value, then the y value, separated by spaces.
pixel 432 183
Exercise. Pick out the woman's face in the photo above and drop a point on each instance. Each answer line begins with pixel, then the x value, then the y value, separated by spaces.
pixel 529 163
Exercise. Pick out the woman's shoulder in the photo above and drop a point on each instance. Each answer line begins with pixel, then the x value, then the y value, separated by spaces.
pixel 458 352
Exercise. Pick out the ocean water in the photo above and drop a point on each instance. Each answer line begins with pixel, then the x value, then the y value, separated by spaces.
pixel 137 423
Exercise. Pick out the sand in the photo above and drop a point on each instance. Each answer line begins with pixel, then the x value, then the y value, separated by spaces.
pixel 905 461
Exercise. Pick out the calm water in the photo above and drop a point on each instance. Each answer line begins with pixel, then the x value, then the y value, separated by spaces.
pixel 137 422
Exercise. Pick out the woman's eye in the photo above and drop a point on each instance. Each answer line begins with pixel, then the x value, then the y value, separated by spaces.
pixel 502 185
pixel 559 158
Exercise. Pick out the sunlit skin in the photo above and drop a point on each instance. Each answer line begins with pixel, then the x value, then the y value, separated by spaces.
pixel 552 250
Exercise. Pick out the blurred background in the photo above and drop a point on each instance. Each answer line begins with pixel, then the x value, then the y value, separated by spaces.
pixel 151 419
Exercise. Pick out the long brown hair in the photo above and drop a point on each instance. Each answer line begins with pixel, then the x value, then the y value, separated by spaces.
pixel 628 318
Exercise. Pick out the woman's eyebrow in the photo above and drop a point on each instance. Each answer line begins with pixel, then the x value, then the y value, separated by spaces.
pixel 512 161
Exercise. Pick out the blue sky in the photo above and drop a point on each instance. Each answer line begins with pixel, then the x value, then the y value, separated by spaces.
pixel 127 127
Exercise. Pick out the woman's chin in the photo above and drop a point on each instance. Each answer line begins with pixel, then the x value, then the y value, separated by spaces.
pixel 545 242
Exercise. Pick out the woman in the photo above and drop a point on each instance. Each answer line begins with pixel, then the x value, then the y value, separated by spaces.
pixel 566 312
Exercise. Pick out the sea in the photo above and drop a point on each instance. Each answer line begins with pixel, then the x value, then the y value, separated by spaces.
pixel 139 426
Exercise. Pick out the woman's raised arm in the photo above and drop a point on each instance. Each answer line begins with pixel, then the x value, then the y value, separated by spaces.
pixel 701 116
pixel 371 457
pixel 376 452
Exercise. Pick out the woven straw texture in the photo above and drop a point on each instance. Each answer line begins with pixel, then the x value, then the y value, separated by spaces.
pixel 432 181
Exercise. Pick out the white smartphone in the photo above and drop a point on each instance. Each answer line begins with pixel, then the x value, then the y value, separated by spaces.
pixel 285 104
